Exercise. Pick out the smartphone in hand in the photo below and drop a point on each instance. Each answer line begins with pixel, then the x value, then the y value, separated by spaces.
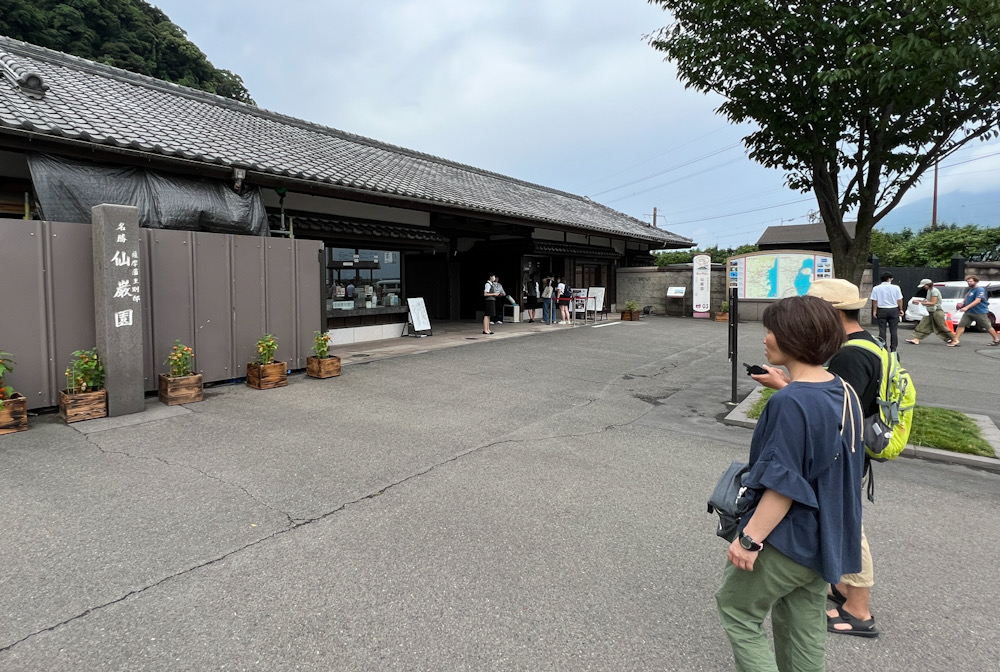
pixel 754 370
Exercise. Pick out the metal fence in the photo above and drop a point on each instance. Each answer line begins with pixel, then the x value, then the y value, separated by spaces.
pixel 217 293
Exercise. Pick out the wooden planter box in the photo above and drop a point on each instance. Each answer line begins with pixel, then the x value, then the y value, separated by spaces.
pixel 722 317
pixel 83 405
pixel 14 414
pixel 181 389
pixel 630 316
pixel 267 376
pixel 328 367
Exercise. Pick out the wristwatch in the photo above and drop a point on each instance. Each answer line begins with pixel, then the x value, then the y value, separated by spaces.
pixel 747 542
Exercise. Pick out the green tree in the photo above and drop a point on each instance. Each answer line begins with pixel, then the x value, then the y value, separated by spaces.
pixel 718 255
pixel 854 100
pixel 933 246
pixel 128 34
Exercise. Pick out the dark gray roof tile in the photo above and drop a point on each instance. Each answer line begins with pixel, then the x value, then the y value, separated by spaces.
pixel 104 105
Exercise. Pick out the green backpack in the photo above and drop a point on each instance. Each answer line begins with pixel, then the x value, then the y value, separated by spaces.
pixel 887 430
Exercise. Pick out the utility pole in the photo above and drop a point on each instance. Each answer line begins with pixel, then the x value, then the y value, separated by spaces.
pixel 654 216
pixel 934 208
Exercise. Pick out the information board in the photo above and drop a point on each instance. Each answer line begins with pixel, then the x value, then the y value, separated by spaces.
pixel 418 314
pixel 776 275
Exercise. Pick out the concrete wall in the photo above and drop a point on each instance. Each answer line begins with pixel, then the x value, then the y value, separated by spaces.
pixel 647 285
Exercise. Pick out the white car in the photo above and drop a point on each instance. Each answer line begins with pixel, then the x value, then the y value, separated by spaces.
pixel 953 293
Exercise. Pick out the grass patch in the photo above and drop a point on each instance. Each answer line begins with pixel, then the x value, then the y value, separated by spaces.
pixel 948 430
pixel 758 406
pixel 932 427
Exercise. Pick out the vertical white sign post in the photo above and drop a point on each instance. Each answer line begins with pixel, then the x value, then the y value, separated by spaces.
pixel 117 306
pixel 701 291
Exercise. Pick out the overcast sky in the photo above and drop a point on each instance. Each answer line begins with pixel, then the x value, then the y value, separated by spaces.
pixel 563 93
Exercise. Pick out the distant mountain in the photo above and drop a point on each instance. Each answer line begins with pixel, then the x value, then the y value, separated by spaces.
pixel 956 207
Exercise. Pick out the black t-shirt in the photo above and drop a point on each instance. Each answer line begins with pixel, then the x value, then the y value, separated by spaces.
pixel 861 369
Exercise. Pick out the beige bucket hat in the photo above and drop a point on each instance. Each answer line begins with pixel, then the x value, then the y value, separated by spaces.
pixel 842 294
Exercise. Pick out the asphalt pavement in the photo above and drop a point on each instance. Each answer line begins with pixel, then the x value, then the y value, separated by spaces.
pixel 531 501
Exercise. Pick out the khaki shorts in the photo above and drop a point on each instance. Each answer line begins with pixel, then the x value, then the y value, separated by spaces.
pixel 866 577
pixel 980 319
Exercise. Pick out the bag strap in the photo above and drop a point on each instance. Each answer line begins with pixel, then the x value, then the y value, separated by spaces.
pixel 847 413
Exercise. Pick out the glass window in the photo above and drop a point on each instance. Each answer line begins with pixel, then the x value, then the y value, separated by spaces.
pixel 368 278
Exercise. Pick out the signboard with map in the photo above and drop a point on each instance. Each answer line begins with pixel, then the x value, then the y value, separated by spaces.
pixel 777 274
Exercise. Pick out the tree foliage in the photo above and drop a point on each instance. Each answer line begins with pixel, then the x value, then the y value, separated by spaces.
pixel 854 100
pixel 127 34
pixel 933 246
pixel 719 255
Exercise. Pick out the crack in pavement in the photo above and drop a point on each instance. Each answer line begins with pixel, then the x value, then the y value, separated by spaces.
pixel 218 479
pixel 294 525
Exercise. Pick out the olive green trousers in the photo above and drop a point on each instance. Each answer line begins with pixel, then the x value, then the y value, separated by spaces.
pixel 795 596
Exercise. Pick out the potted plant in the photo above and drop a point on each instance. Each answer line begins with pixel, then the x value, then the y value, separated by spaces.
pixel 723 314
pixel 265 373
pixel 631 312
pixel 13 406
pixel 181 385
pixel 84 397
pixel 322 364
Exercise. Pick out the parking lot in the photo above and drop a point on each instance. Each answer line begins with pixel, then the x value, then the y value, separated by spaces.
pixel 529 502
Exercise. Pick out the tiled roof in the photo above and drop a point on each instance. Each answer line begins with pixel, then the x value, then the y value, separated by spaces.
pixel 352 228
pixel 54 94
pixel 798 233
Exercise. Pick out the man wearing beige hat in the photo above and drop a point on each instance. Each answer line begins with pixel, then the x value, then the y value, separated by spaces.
pixel 861 369
pixel 934 322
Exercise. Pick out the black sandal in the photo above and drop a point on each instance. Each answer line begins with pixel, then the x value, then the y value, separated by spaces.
pixel 836 596
pixel 859 628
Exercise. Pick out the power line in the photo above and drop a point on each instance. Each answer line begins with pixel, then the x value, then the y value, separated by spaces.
pixel 744 212
pixel 665 184
pixel 635 165
pixel 668 170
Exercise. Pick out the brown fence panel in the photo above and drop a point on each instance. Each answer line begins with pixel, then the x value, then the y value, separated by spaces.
pixel 280 293
pixel 71 292
pixel 310 295
pixel 170 297
pixel 23 308
pixel 248 294
pixel 213 307
pixel 218 293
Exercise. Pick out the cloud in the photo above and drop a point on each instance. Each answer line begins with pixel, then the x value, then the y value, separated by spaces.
pixel 560 92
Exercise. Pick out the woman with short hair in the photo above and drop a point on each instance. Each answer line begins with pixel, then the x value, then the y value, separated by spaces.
pixel 806 459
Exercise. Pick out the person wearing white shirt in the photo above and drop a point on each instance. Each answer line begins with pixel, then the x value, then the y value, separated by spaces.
pixel 887 308
pixel 490 307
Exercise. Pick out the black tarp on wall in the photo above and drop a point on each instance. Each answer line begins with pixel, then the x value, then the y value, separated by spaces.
pixel 67 190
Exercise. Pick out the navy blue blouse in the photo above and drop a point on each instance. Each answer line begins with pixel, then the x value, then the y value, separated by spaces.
pixel 798 450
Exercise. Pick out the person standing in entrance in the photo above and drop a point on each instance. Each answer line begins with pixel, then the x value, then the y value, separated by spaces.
pixel 548 317
pixel 531 296
pixel 887 308
pixel 563 290
pixel 489 305
pixel 934 322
